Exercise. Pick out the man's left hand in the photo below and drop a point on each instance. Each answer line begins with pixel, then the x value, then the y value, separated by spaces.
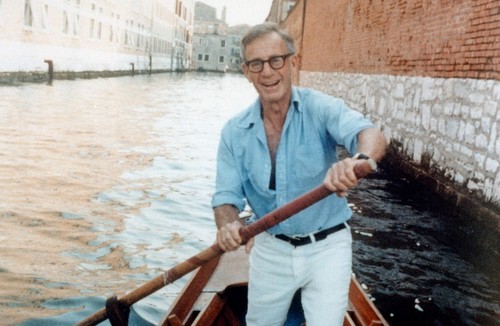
pixel 340 177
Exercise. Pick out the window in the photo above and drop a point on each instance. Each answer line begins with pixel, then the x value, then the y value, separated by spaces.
pixel 76 25
pixel 111 29
pixel 92 21
pixel 99 26
pixel 28 14
pixel 111 32
pixel 129 35
pixel 35 14
pixel 117 30
pixel 91 28
pixel 126 40
pixel 65 23
pixel 221 58
pixel 223 43
pixel 207 57
pixel 200 57
pixel 125 36
pixel 71 23
pixel 99 30
pixel 43 17
pixel 138 37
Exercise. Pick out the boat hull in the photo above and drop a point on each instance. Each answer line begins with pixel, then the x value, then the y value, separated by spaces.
pixel 217 295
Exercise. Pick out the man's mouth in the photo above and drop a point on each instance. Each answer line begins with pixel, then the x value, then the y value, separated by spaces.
pixel 271 84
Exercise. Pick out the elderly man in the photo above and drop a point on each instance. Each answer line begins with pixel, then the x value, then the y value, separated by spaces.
pixel 280 147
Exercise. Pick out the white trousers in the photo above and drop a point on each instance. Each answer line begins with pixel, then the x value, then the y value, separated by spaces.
pixel 322 270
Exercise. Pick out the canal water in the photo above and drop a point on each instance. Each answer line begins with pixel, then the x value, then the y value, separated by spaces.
pixel 105 183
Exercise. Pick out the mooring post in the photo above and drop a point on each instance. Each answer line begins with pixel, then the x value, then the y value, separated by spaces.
pixel 133 70
pixel 51 70
pixel 150 64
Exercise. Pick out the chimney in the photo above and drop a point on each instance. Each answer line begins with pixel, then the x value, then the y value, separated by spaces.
pixel 223 14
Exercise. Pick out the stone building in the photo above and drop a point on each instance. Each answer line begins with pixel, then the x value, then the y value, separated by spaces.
pixel 428 73
pixel 93 37
pixel 216 46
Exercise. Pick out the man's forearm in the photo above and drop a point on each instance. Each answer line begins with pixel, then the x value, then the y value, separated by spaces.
pixel 225 214
pixel 373 143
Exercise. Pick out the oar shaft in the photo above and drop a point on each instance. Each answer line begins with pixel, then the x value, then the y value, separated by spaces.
pixel 273 218
pixel 159 282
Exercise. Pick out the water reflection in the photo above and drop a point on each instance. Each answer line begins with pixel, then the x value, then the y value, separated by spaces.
pixel 108 182
pixel 420 271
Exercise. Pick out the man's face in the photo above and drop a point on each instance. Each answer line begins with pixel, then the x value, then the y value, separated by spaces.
pixel 273 85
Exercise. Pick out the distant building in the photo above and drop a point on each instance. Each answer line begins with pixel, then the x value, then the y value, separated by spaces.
pixel 216 46
pixel 95 35
pixel 204 12
pixel 235 33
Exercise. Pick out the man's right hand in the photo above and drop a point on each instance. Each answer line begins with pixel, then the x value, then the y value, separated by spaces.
pixel 228 236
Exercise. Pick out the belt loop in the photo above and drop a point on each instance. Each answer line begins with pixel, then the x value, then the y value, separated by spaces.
pixel 312 237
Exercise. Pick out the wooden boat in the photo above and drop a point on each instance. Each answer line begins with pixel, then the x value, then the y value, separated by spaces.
pixel 217 293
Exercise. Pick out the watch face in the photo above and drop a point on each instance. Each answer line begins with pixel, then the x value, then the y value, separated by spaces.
pixel 361 156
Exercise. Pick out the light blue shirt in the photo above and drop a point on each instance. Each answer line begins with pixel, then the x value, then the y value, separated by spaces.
pixel 315 124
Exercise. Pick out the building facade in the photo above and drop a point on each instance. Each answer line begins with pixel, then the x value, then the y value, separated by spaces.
pixel 216 46
pixel 77 36
pixel 279 10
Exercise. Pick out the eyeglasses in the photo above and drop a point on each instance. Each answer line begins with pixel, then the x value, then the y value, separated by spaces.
pixel 276 62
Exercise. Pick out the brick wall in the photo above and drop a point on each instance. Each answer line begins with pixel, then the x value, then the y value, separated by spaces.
pixel 294 26
pixel 446 38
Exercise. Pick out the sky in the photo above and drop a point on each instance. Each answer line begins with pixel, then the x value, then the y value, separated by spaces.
pixel 249 12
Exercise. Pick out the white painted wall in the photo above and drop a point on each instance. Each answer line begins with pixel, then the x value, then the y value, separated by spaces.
pixel 94 35
pixel 29 57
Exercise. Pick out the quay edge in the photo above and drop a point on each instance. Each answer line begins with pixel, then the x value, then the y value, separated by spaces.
pixel 13 78
pixel 466 202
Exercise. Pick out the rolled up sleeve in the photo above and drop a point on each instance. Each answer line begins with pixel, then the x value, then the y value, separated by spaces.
pixel 345 124
pixel 229 189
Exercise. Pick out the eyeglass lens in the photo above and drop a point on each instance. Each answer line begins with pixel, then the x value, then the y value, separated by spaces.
pixel 275 63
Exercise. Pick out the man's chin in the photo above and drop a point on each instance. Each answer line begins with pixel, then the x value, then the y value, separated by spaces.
pixel 270 94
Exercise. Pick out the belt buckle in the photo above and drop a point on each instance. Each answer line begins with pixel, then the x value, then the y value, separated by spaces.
pixel 295 240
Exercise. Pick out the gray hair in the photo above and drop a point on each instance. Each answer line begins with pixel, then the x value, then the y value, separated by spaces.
pixel 264 29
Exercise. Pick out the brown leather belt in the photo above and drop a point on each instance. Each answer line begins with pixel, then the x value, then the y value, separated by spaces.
pixel 318 236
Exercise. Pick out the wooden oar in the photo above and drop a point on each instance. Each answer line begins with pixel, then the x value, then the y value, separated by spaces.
pixel 362 168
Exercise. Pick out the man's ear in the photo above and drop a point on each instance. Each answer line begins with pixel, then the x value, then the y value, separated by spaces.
pixel 295 60
pixel 246 72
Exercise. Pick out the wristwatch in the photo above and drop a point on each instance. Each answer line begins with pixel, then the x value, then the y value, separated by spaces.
pixel 361 156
